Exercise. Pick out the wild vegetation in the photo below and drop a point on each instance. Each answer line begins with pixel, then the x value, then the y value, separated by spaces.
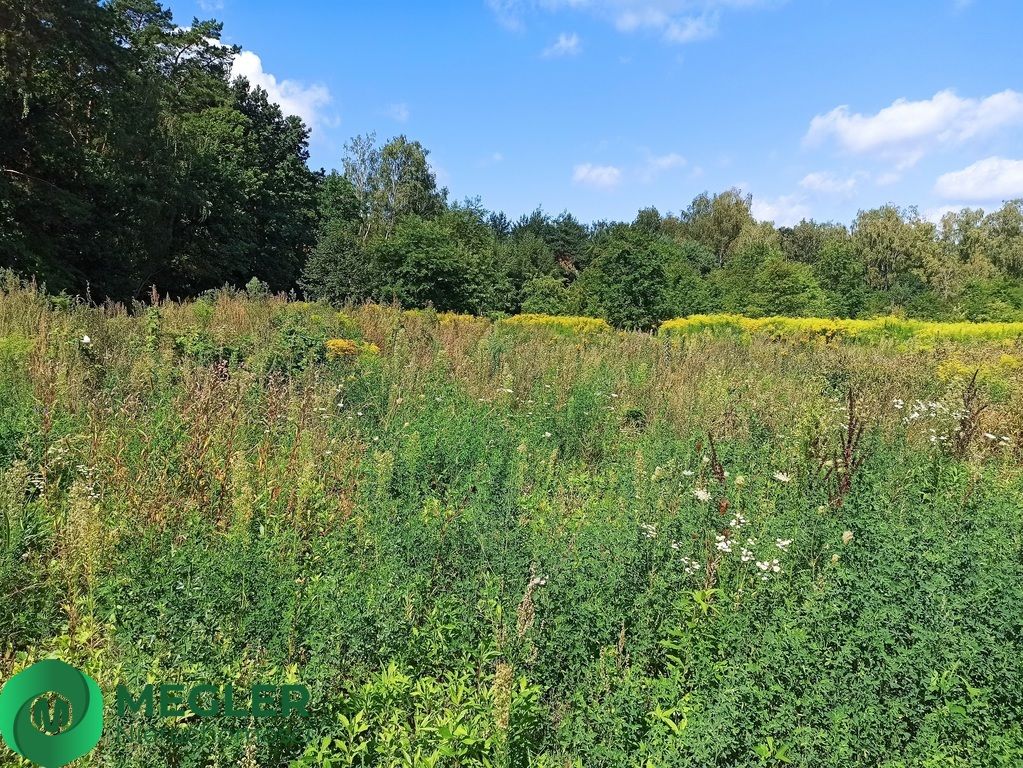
pixel 529 542
pixel 687 490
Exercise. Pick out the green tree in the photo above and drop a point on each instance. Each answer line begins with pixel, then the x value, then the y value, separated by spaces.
pixel 716 221
pixel 786 288
pixel 626 280
pixel 338 268
pixel 545 296
pixel 1004 238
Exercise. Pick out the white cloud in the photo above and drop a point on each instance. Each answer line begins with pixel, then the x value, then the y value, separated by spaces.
pixel 507 12
pixel 398 112
pixel 657 164
pixel 674 28
pixel 935 215
pixel 994 178
pixel 677 21
pixel 828 183
pixel 211 5
pixel 294 98
pixel 888 178
pixel 907 130
pixel 784 211
pixel 599 176
pixel 565 45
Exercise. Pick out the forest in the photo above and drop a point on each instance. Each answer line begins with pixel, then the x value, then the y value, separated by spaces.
pixel 131 161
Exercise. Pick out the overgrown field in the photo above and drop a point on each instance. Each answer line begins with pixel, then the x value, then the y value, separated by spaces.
pixel 515 544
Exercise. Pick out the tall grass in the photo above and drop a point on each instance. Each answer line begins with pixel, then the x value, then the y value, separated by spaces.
pixel 506 544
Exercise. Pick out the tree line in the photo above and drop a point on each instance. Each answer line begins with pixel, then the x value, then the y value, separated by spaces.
pixel 129 157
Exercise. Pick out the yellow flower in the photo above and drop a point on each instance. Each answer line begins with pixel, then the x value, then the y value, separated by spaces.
pixel 342 348
pixel 829 329
pixel 563 323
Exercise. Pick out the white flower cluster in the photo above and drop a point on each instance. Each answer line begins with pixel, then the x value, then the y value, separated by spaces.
pixel 649 530
pixel 725 543
pixel 689 566
pixel 89 476
pixel 768 568
pixel 920 409
pixel 747 554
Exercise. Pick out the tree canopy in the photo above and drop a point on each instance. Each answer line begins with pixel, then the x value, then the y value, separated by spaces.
pixel 130 157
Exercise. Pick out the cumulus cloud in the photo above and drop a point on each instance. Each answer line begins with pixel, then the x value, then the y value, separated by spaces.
pixel 784 211
pixel 907 130
pixel 935 215
pixel 994 178
pixel 565 45
pixel 676 21
pixel 294 98
pixel 828 183
pixel 599 176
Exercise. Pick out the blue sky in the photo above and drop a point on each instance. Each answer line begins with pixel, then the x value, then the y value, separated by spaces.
pixel 816 107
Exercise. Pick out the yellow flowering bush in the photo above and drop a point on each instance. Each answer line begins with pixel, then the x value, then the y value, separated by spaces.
pixel 874 329
pixel 563 323
pixel 350 348
pixel 997 377
pixel 454 318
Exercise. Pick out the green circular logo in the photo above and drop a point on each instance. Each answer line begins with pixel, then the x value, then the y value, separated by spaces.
pixel 51 713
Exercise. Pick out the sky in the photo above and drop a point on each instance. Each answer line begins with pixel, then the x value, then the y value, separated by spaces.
pixel 818 108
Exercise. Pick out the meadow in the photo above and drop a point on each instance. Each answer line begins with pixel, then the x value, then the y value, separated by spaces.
pixel 524 542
